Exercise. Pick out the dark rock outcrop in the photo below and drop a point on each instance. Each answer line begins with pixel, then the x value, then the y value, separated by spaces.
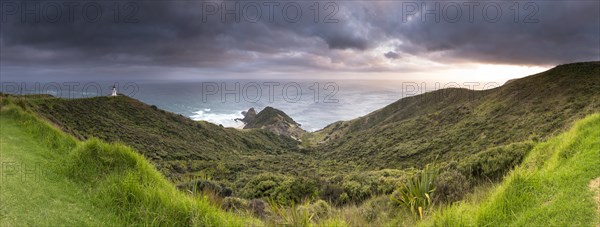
pixel 273 120
pixel 249 116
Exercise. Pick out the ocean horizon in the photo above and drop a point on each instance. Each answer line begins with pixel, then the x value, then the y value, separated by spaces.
pixel 313 104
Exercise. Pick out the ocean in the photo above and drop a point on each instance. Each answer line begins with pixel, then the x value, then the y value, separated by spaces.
pixel 313 104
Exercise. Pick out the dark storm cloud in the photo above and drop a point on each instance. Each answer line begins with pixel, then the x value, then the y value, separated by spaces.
pixel 181 34
pixel 392 55
pixel 559 32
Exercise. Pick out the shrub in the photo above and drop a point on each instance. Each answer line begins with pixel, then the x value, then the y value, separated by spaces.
pixel 295 190
pixel 376 208
pixel 258 207
pixel 200 185
pixel 357 191
pixel 234 204
pixel 450 186
pixel 331 192
pixel 294 216
pixel 318 210
pixel 179 167
pixel 262 185
pixel 357 187
pixel 416 193
pixel 280 188
pixel 344 198
pixel 369 213
pixel 495 162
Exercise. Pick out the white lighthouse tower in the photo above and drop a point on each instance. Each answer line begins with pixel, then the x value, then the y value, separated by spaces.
pixel 114 91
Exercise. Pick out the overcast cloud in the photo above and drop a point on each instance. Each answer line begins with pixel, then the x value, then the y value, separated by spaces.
pixel 180 39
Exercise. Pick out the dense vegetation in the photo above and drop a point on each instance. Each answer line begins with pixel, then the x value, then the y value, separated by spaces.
pixel 452 124
pixel 364 171
pixel 200 155
pixel 175 144
pixel 554 186
pixel 109 184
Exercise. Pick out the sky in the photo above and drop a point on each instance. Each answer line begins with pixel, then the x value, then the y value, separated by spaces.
pixel 379 40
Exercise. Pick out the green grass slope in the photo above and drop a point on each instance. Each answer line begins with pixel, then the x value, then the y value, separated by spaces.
pixel 158 134
pixel 451 124
pixel 50 178
pixel 550 188
pixel 193 155
pixel 42 196
pixel 178 146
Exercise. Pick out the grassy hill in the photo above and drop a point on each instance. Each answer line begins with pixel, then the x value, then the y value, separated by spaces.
pixel 452 124
pixel 269 116
pixel 176 144
pixel 194 155
pixel 481 133
pixel 558 184
pixel 66 203
pixel 469 136
pixel 51 179
pixel 54 179
pixel 159 134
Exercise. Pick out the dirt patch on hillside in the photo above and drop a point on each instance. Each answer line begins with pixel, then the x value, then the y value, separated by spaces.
pixel 595 187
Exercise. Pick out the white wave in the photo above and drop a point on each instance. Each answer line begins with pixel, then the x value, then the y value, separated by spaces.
pixel 225 119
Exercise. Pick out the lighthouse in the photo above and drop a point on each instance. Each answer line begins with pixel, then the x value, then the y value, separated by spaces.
pixel 114 91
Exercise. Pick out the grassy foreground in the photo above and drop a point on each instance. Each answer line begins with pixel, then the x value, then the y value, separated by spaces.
pixel 552 187
pixel 50 179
